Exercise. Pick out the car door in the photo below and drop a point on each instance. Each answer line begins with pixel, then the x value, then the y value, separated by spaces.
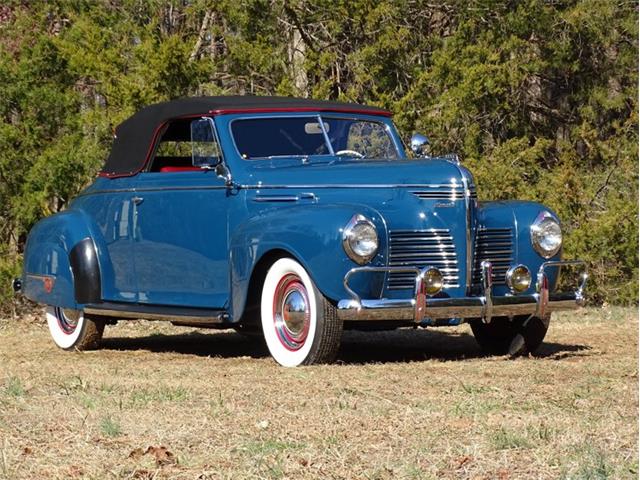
pixel 180 230
pixel 110 207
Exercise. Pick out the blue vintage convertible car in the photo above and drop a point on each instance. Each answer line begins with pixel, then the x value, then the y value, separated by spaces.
pixel 295 218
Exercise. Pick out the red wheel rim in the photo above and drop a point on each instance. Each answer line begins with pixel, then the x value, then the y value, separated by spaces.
pixel 291 312
pixel 67 319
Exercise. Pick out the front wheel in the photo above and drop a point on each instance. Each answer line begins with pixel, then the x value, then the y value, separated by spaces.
pixel 300 326
pixel 72 330
pixel 514 337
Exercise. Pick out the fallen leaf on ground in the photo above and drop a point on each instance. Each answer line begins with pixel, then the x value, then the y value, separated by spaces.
pixel 75 471
pixel 162 455
pixel 136 454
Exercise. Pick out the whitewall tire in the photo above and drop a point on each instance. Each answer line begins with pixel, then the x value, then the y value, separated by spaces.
pixel 300 325
pixel 72 330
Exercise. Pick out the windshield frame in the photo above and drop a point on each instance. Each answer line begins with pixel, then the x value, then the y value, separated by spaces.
pixel 387 125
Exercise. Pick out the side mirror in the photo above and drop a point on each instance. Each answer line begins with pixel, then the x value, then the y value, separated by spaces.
pixel 204 148
pixel 419 144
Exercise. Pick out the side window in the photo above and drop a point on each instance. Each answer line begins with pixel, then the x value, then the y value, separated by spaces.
pixel 174 151
pixel 371 140
pixel 204 148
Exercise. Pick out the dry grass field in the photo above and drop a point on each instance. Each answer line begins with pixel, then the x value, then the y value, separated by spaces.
pixel 163 402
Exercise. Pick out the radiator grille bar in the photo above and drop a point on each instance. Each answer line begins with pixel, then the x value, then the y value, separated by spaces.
pixel 421 248
pixel 496 246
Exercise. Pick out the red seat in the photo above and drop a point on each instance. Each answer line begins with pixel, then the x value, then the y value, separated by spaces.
pixel 179 169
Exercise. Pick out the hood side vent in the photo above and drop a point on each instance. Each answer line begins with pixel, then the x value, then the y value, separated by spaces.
pixel 445 192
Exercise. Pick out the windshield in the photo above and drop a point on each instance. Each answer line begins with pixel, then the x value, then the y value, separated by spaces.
pixel 308 136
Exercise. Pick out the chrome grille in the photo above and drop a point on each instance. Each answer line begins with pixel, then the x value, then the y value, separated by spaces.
pixel 421 248
pixel 496 246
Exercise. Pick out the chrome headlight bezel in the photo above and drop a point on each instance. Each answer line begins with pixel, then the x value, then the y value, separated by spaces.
pixel 349 235
pixel 540 232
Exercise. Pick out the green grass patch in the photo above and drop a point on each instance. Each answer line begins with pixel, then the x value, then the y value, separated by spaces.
pixel 504 439
pixel 143 397
pixel 263 448
pixel 14 387
pixel 110 427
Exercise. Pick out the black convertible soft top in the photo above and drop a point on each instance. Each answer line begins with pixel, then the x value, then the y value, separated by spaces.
pixel 135 136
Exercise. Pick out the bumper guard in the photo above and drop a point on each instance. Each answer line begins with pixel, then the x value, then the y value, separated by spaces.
pixel 486 306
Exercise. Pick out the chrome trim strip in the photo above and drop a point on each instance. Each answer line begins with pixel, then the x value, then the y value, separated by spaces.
pixel 250 187
pixel 341 185
pixel 208 318
pixel 285 198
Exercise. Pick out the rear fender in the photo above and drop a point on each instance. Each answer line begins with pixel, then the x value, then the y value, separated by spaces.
pixel 63 264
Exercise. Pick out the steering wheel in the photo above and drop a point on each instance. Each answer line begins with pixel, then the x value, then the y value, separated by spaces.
pixel 351 153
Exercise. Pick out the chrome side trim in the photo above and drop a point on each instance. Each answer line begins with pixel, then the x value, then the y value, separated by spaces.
pixel 285 198
pixel 252 187
pixel 171 317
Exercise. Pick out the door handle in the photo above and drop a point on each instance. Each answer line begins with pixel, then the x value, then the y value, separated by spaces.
pixel 137 200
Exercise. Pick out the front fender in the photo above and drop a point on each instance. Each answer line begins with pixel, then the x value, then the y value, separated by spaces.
pixel 518 215
pixel 62 261
pixel 312 233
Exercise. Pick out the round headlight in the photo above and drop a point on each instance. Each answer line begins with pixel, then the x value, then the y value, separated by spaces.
pixel 518 278
pixel 546 235
pixel 360 239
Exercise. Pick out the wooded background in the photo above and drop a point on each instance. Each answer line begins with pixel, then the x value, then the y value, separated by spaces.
pixel 539 98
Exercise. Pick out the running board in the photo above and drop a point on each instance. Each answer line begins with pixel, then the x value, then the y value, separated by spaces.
pixel 177 315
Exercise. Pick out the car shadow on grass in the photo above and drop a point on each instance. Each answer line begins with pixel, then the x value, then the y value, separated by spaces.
pixel 394 346
pixel 409 345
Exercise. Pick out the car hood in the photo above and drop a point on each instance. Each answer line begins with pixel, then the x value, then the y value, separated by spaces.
pixel 359 173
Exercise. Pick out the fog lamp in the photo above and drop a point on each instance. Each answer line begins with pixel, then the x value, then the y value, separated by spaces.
pixel 432 281
pixel 518 278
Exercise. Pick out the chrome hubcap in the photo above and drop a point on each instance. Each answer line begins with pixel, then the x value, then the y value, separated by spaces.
pixel 291 312
pixel 67 319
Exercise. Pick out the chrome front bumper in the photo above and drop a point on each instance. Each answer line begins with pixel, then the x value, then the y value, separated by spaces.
pixel 421 307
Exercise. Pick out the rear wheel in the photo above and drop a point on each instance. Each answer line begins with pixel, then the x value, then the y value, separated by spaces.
pixel 72 330
pixel 502 336
pixel 300 325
